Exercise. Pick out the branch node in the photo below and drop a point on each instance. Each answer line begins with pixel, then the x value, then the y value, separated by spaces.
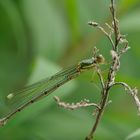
pixel 3 121
pixel 133 92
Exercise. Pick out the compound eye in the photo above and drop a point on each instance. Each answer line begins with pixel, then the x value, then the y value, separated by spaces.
pixel 100 59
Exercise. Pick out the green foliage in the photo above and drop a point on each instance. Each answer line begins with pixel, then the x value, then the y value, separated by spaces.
pixel 37 37
pixel 134 135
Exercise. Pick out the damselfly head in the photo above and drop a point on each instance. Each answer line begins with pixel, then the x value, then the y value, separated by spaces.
pixel 100 59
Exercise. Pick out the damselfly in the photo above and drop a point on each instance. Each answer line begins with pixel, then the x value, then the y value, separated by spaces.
pixel 33 93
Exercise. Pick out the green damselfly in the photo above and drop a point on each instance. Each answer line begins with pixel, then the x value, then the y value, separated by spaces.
pixel 30 94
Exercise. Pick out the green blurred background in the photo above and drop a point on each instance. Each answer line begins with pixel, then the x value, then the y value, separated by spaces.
pixel 40 37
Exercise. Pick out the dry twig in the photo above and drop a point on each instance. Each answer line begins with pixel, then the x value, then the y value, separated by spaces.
pixel 73 106
pixel 116 53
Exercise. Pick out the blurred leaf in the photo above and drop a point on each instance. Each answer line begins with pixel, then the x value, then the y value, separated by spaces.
pixel 131 22
pixel 128 4
pixel 14 19
pixel 73 18
pixel 134 135
pixel 14 52
pixel 48 28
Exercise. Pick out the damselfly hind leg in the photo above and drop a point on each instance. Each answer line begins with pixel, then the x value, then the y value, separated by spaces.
pixel 95 79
